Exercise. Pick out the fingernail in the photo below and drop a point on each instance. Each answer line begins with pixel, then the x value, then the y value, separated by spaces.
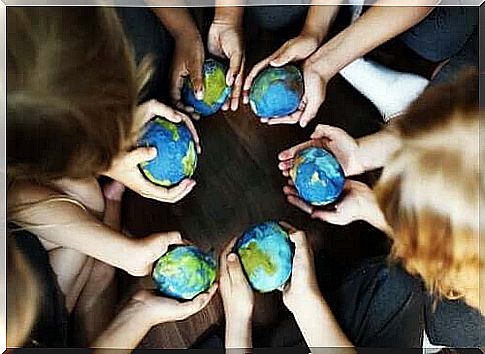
pixel 231 257
pixel 199 95
pixel 153 152
pixel 230 81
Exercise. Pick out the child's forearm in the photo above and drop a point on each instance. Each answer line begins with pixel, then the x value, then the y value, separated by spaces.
pixel 376 149
pixel 125 331
pixel 319 327
pixel 319 20
pixel 61 221
pixel 376 26
pixel 178 21
pixel 238 335
pixel 231 13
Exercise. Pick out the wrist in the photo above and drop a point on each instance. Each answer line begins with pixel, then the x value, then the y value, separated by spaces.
pixel 310 31
pixel 307 306
pixel 229 16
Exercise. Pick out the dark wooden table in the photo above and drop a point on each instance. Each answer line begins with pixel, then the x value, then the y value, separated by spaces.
pixel 239 184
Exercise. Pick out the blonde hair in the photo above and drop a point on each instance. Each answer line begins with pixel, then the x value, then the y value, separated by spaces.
pixel 431 190
pixel 22 295
pixel 72 90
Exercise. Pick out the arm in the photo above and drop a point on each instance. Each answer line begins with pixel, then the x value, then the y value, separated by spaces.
pixel 60 220
pixel 238 301
pixel 376 26
pixel 178 22
pixel 302 297
pixel 319 20
pixel 145 310
pixel 319 327
pixel 376 149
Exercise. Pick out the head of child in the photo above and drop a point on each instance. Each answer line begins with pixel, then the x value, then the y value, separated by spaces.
pixel 72 89
pixel 431 191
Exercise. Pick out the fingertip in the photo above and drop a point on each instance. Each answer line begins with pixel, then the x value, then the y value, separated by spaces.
pixel 231 257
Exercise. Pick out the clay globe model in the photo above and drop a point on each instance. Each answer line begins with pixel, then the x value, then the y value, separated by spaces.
pixel 184 272
pixel 276 92
pixel 176 156
pixel 215 89
pixel 266 254
pixel 318 176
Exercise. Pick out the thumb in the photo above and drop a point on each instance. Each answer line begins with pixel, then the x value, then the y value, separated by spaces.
pixel 142 154
pixel 284 57
pixel 158 243
pixel 235 269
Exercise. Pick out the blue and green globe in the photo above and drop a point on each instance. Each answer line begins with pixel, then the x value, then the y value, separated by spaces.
pixel 176 156
pixel 184 272
pixel 318 176
pixel 276 92
pixel 215 89
pixel 266 254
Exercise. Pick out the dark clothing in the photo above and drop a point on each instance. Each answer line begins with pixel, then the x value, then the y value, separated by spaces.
pixel 380 305
pixel 51 326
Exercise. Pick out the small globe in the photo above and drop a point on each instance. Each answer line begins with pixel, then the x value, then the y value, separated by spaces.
pixel 317 175
pixel 176 156
pixel 215 89
pixel 184 272
pixel 276 92
pixel 266 254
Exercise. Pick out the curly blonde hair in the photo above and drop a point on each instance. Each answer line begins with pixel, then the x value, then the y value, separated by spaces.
pixel 431 190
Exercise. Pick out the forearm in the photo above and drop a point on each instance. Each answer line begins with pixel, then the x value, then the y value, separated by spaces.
pixel 374 27
pixel 62 221
pixel 319 20
pixel 125 331
pixel 178 21
pixel 238 335
pixel 231 13
pixel 376 149
pixel 319 327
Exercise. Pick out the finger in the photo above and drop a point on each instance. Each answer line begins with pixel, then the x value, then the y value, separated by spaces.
pixel 290 228
pixel 190 125
pixel 158 243
pixel 199 302
pixel 299 203
pixel 195 116
pixel 285 165
pixel 225 106
pixel 290 182
pixel 288 190
pixel 309 113
pixel 249 79
pixel 156 108
pixel 176 87
pixel 171 195
pixel 235 62
pixel 142 154
pixel 302 248
pixel 284 56
pixel 236 91
pixel 235 269
pixel 326 131
pixel 291 152
pixel 292 119
pixel 196 76
pixel 228 249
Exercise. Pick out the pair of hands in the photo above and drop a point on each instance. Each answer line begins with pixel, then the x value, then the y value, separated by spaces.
pixel 124 168
pixel 238 296
pixel 225 40
pixel 358 201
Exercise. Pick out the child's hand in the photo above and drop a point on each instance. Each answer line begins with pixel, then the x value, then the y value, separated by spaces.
pixel 237 295
pixel 146 251
pixel 225 40
pixel 345 149
pixel 124 168
pixel 155 309
pixel 187 62
pixel 303 284
pixel 295 49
